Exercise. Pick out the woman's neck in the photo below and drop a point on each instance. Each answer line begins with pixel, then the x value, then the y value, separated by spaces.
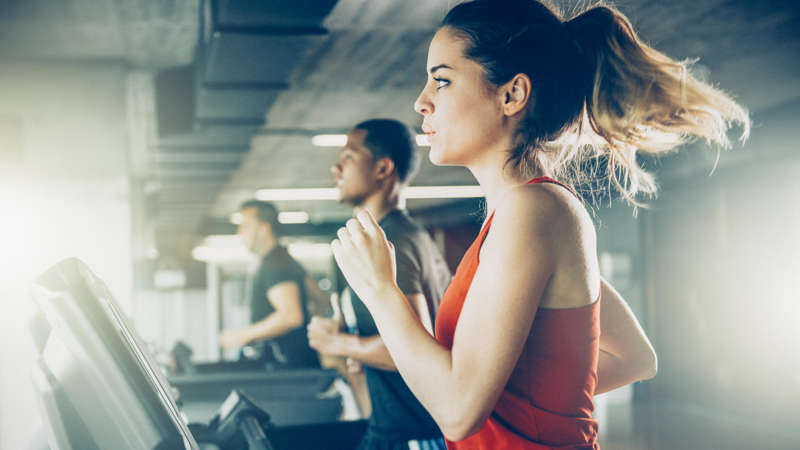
pixel 496 177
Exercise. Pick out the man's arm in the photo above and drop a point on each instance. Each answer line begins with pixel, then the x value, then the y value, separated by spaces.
pixel 325 337
pixel 287 315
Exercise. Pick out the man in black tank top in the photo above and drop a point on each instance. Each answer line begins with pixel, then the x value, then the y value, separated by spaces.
pixel 377 162
pixel 279 301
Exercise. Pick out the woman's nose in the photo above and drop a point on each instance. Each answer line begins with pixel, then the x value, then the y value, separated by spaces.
pixel 422 105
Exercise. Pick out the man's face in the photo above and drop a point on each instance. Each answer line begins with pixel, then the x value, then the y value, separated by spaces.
pixel 354 171
pixel 251 230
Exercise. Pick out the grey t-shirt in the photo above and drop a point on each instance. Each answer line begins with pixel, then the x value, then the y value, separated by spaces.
pixel 396 413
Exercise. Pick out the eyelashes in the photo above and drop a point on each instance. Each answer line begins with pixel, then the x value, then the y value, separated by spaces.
pixel 441 82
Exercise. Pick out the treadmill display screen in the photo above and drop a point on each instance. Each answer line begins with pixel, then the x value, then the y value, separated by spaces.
pixel 101 348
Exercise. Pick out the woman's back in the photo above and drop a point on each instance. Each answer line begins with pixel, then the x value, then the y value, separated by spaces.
pixel 575 280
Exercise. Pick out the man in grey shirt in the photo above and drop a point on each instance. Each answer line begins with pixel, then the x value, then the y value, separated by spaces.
pixel 378 161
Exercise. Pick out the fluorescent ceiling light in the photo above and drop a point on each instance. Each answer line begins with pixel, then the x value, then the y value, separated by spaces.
pixel 339 140
pixel 329 140
pixel 293 217
pixel 169 279
pixel 221 248
pixel 283 217
pixel 223 240
pixel 411 192
pixel 272 195
pixel 228 248
pixel 307 250
pixel 443 192
pixel 220 254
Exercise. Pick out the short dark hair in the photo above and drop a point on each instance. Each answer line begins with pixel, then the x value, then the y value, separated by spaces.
pixel 391 138
pixel 265 211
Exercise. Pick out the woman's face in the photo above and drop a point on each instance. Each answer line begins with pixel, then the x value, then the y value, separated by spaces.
pixel 462 111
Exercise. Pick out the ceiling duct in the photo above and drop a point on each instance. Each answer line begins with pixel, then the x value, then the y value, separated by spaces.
pixel 208 112
pixel 294 15
pixel 249 52
pixel 174 101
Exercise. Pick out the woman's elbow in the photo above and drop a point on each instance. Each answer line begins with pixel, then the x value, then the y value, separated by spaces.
pixel 461 426
pixel 649 364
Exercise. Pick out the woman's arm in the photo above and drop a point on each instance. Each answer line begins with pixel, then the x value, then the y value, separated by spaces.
pixel 626 355
pixel 460 387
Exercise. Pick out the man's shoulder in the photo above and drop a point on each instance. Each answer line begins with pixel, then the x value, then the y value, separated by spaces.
pixel 279 261
pixel 412 240
pixel 401 227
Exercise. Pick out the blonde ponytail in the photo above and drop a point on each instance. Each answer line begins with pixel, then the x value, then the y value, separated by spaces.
pixel 639 99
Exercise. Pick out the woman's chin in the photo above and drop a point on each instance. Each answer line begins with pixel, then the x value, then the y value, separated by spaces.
pixel 435 155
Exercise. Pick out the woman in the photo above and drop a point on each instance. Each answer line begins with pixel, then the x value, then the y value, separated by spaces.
pixel 522 98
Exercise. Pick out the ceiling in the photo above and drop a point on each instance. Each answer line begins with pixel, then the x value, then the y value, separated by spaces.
pixel 241 86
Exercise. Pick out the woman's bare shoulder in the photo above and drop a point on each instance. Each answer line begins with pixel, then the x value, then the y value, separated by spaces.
pixel 542 208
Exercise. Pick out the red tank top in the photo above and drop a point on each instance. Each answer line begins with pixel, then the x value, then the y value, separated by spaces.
pixel 547 403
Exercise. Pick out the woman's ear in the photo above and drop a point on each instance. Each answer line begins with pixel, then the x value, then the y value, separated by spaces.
pixel 516 94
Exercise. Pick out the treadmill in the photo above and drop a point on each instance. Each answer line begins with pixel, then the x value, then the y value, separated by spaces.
pixel 98 388
pixel 293 396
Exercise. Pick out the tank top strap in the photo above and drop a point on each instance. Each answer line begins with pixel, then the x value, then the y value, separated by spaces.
pixel 484 231
pixel 553 181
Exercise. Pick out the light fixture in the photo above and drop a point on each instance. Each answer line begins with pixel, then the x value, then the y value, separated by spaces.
pixel 221 248
pixel 443 192
pixel 329 140
pixel 152 253
pixel 283 217
pixel 272 195
pixel 288 217
pixel 169 279
pixel 339 140
pixel 220 254
pixel 411 192
pixel 309 251
pixel 222 240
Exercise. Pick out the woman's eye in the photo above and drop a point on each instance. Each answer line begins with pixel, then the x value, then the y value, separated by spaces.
pixel 441 82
